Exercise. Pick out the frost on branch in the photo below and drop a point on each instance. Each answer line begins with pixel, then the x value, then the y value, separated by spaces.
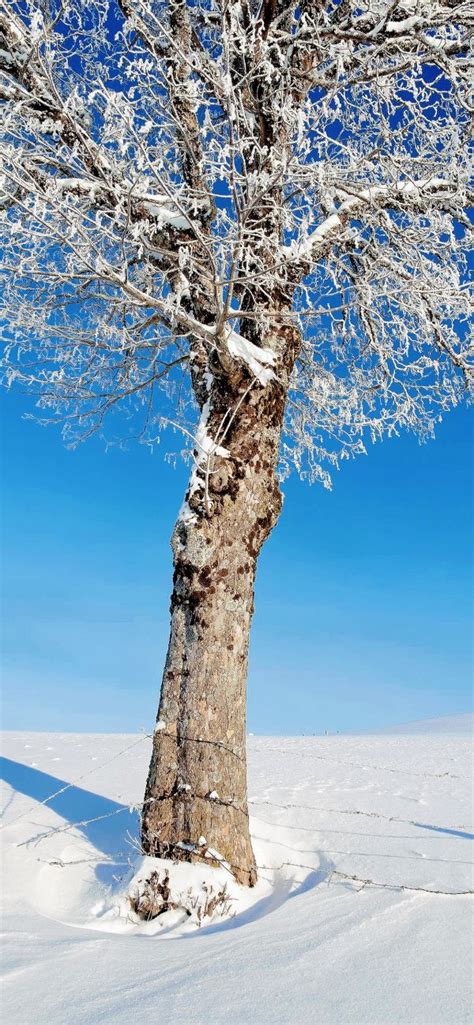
pixel 258 197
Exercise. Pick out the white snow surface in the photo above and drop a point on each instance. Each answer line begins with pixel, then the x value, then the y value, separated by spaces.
pixel 307 946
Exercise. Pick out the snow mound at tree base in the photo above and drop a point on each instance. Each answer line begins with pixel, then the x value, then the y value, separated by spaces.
pixel 154 897
pixel 158 896
pixel 168 893
pixel 362 846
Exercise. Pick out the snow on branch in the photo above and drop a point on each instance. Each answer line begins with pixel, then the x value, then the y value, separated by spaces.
pixel 259 360
pixel 154 205
pixel 186 183
pixel 418 193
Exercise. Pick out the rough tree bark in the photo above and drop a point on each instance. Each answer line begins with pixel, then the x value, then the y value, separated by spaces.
pixel 253 162
pixel 196 794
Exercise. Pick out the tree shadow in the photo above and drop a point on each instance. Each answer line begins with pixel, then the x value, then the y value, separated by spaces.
pixel 442 829
pixel 282 891
pixel 78 807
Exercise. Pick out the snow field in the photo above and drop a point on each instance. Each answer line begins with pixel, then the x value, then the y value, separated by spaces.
pixel 308 945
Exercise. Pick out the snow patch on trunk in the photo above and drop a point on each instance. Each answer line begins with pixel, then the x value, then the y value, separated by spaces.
pixel 206 447
pixel 164 215
pixel 258 360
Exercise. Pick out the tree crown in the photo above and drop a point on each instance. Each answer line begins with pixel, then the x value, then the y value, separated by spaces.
pixel 263 194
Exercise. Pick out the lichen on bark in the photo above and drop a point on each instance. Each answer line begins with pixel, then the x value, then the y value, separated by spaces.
pixel 196 795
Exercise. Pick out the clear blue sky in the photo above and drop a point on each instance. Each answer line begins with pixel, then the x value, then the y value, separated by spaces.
pixel 363 614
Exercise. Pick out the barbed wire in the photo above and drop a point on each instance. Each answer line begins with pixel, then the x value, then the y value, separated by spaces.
pixel 73 783
pixel 359 765
pixel 139 805
pixel 339 811
pixel 220 744
pixel 199 740
pixel 196 851
pixel 399 886
pixel 352 832
pixel 200 854
pixel 328 879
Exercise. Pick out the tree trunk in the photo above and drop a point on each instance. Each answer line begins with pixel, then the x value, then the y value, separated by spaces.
pixel 196 793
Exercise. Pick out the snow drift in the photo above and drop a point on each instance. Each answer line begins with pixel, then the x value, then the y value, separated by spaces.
pixel 361 913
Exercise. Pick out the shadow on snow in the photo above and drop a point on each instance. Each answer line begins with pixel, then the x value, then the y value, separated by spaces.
pixel 78 807
pixel 109 835
pixel 281 892
pixel 442 829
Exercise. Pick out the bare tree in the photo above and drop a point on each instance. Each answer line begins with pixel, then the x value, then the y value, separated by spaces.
pixel 251 215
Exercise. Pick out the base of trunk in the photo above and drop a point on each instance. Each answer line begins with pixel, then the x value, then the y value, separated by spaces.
pixel 200 831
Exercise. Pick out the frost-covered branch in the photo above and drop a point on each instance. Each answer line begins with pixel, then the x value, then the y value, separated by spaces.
pixel 201 199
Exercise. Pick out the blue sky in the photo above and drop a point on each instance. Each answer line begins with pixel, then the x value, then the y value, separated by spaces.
pixel 363 605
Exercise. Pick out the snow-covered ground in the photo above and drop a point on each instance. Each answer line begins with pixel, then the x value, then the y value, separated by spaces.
pixel 309 945
pixel 447 724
